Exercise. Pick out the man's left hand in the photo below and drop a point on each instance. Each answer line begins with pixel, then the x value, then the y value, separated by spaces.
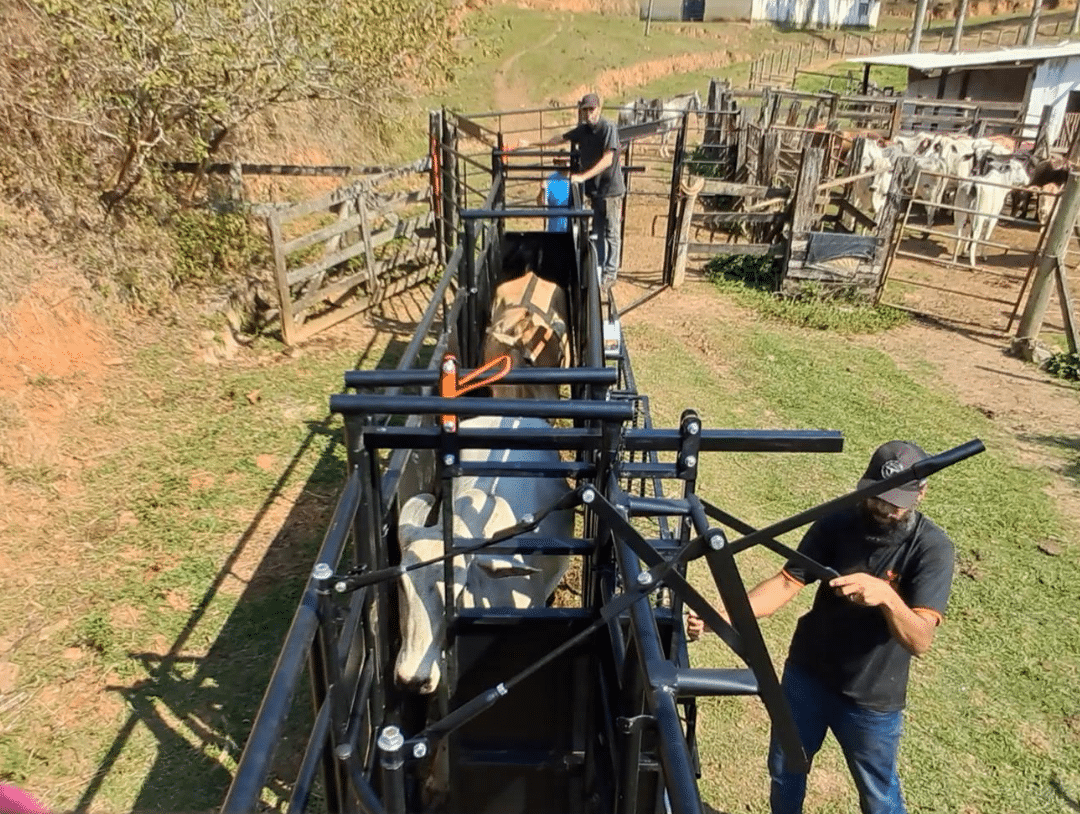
pixel 576 178
pixel 863 589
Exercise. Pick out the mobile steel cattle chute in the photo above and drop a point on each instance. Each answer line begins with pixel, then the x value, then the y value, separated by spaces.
pixel 586 708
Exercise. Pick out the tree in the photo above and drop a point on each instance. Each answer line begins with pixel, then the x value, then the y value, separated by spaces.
pixel 181 75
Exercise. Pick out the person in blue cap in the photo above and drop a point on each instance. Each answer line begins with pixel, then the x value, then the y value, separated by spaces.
pixel 847 667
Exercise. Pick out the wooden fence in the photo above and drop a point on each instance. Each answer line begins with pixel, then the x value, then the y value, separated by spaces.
pixel 339 254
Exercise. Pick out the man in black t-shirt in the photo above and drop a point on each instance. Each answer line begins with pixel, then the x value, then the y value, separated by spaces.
pixel 847 668
pixel 598 145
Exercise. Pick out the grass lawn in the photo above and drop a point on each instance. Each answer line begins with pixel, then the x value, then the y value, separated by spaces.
pixel 993 723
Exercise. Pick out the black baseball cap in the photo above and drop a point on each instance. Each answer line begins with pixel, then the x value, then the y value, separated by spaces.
pixel 589 100
pixel 890 459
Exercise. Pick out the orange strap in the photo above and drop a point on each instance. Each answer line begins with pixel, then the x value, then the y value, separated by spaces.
pixel 450 386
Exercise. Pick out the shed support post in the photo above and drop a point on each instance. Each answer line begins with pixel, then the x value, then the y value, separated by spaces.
pixel 1057 241
pixel 958 29
pixel 916 27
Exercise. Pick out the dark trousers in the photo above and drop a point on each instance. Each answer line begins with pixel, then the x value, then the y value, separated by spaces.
pixel 870 741
pixel 607 233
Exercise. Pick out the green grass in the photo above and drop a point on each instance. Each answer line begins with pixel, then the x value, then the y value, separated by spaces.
pixel 753 283
pixel 992 721
pixel 197 475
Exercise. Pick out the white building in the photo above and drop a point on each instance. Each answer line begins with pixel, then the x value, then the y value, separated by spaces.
pixel 1035 77
pixel 794 13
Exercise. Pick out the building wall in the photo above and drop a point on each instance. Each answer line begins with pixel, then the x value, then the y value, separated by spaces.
pixel 1054 79
pixel 727 9
pixel 818 13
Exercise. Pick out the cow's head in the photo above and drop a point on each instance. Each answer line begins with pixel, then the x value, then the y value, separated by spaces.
pixel 421 593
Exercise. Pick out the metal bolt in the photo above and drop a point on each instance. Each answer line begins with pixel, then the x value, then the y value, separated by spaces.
pixel 693 428
pixel 716 541
pixel 588 496
pixel 447 366
pixel 448 460
pixel 691 460
pixel 340 586
pixel 419 750
pixel 343 751
pixel 528 518
pixel 322 571
pixel 391 739
pixel 448 426
pixel 644 578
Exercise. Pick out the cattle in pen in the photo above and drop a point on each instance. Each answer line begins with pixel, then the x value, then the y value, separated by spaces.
pixel 980 199
pixel 528 324
pixel 481 506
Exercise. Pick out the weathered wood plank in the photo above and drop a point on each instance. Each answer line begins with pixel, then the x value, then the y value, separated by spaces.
pixel 707 218
pixel 319 235
pixel 754 249
pixel 735 190
pixel 281 280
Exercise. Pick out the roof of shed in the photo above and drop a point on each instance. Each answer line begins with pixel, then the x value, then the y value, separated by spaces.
pixel 934 62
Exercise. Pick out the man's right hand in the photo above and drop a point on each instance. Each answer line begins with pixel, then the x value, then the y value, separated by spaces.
pixel 695 626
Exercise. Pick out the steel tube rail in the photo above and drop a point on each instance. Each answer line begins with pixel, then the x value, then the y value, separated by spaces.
pixel 254 765
pixel 539 212
pixel 348 404
pixel 675 758
pixel 918 471
pixel 679 776
pixel 634 440
pixel 697 682
pixel 309 766
pixel 430 377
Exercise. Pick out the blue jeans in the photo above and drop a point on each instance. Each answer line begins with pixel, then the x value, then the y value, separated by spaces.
pixel 870 741
pixel 607 233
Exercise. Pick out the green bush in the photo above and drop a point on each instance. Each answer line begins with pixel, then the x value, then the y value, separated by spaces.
pixel 1064 365
pixel 213 248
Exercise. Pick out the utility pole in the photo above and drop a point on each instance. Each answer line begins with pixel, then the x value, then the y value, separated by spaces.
pixel 916 29
pixel 1033 24
pixel 1076 19
pixel 648 17
pixel 1057 241
pixel 958 29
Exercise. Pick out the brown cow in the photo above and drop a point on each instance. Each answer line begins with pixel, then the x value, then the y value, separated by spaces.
pixel 528 323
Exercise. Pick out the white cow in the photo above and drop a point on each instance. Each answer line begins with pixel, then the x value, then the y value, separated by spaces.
pixel 984 195
pixel 482 506
pixel 529 324
pixel 669 112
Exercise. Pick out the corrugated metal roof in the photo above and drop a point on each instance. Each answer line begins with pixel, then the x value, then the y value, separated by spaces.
pixel 935 62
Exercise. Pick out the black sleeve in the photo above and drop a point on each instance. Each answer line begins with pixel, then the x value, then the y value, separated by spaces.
pixel 816 544
pixel 575 134
pixel 928 581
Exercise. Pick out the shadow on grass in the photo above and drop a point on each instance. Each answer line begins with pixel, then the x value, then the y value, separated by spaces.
pixel 199 708
pixel 1069 444
pixel 1072 802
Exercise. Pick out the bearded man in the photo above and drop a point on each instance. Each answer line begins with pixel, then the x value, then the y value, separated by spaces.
pixel 847 667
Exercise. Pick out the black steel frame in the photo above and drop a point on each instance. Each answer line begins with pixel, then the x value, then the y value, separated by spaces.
pixel 639 756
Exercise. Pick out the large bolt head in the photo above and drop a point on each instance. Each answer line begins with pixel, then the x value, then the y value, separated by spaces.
pixel 588 496
pixel 391 739
pixel 322 571
pixel 644 578
pixel 419 750
pixel 448 460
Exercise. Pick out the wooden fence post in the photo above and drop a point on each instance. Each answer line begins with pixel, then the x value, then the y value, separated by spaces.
pixel 887 218
pixel 769 165
pixel 281 280
pixel 803 204
pixel 1057 241
pixel 690 194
